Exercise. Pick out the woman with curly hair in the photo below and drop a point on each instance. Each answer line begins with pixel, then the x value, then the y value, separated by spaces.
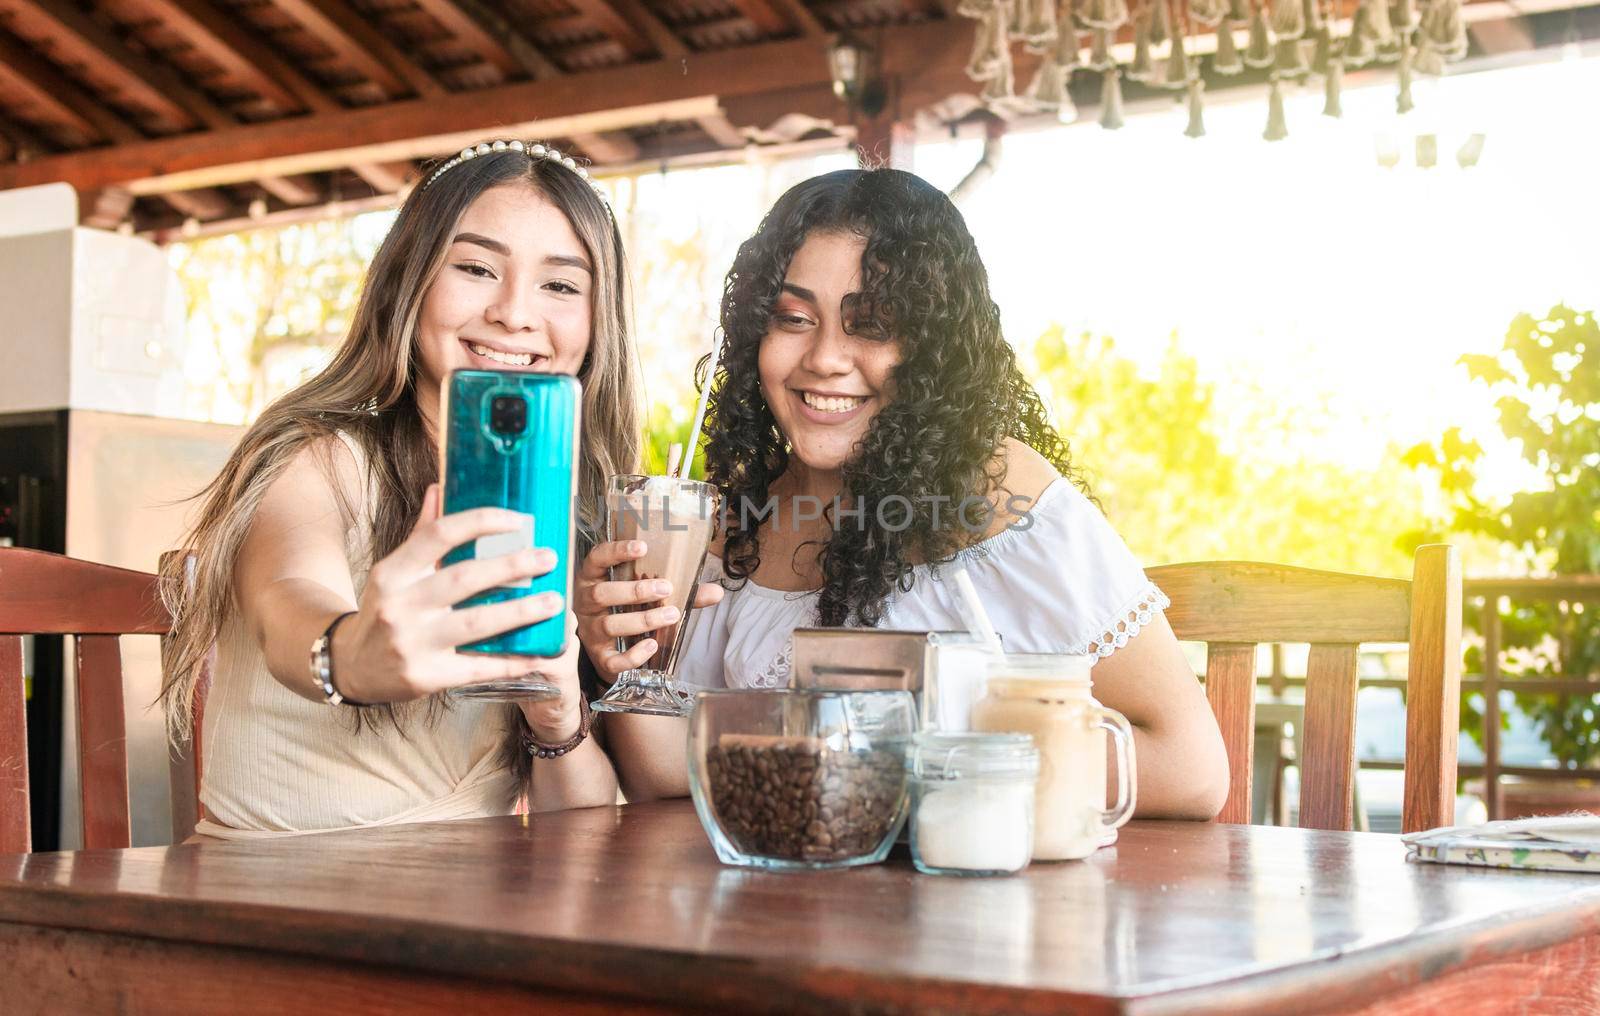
pixel 869 428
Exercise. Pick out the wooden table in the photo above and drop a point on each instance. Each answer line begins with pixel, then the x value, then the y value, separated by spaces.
pixel 627 909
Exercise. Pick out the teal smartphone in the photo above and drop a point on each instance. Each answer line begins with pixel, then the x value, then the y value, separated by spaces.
pixel 510 440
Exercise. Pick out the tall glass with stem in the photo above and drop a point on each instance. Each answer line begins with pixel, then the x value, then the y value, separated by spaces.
pixel 674 518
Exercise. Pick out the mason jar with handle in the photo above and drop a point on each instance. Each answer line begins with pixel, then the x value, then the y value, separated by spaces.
pixel 1048 696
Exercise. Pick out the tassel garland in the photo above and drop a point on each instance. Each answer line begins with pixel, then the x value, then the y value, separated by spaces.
pixel 1208 12
pixel 1100 57
pixel 1177 65
pixel 1160 23
pixel 1290 61
pixel 1037 26
pixel 1103 13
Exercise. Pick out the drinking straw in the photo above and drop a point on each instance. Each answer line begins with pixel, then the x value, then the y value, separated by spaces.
pixel 700 411
pixel 977 618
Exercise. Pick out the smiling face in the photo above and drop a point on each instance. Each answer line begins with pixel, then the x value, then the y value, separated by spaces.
pixel 823 385
pixel 513 294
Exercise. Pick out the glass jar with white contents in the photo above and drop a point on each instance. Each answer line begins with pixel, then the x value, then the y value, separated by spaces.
pixel 972 800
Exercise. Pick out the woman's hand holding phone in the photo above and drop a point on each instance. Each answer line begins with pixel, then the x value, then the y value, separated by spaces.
pixel 594 594
pixel 401 644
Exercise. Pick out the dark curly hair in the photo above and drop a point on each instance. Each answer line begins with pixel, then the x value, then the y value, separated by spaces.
pixel 958 390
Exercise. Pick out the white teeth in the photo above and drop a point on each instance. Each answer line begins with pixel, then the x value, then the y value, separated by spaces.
pixel 509 359
pixel 831 404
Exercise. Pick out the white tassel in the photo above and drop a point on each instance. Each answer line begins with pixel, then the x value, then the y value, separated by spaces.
pixel 1049 87
pixel 1277 123
pixel 1208 12
pixel 1067 53
pixel 1444 27
pixel 1428 60
pixel 1143 67
pixel 1314 18
pixel 984 64
pixel 1322 49
pixel 1378 22
pixel 1239 11
pixel 1402 101
pixel 1103 13
pixel 1358 49
pixel 1178 72
pixel 1333 90
pixel 1290 61
pixel 1227 59
pixel 975 8
pixel 1100 57
pixel 1111 100
pixel 1197 121
pixel 1259 52
pixel 1403 15
pixel 1288 19
pixel 1037 27
pixel 1160 22
pixel 1000 89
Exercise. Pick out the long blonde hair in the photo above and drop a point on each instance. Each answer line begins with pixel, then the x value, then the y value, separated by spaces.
pixel 369 391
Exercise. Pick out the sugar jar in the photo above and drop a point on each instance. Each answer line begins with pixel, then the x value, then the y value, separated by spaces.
pixel 972 800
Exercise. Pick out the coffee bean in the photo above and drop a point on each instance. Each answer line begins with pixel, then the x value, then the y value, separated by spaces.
pixel 797 799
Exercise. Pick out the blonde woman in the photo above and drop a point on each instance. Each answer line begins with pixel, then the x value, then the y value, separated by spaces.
pixel 320 539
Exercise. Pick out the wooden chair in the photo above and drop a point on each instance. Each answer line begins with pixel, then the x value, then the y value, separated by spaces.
pixel 1232 606
pixel 48 594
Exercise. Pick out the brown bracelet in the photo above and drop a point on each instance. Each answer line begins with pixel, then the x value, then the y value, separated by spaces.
pixel 539 749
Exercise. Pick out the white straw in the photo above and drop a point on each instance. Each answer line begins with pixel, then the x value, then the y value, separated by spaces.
pixel 700 411
pixel 674 454
pixel 977 618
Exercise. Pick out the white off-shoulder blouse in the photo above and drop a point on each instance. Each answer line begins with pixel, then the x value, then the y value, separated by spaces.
pixel 1061 582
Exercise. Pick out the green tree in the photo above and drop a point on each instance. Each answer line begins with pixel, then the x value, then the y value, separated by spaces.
pixel 1546 381
pixel 1187 470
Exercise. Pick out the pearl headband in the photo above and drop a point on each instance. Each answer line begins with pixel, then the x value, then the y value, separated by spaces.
pixel 532 151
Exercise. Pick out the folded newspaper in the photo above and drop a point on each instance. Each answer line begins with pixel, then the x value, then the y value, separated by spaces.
pixel 1548 842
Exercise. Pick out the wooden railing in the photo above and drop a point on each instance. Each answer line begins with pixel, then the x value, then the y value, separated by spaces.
pixel 1572 588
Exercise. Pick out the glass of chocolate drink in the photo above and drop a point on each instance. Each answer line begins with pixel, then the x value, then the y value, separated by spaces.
pixel 674 519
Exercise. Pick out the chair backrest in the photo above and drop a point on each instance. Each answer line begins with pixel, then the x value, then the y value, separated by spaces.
pixel 48 594
pixel 1232 606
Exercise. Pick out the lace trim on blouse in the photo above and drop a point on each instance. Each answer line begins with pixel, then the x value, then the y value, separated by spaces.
pixel 1130 622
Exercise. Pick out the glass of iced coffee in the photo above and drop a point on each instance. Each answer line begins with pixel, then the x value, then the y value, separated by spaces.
pixel 674 519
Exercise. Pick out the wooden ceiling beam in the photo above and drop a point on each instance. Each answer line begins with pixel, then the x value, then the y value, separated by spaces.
pixel 721 130
pixel 104 209
pixel 292 190
pixel 641 94
pixel 144 81
pixel 224 41
pixel 482 28
pixel 778 17
pixel 203 204
pixel 385 177
pixel 608 148
pixel 25 142
pixel 633 25
pixel 50 89
pixel 359 43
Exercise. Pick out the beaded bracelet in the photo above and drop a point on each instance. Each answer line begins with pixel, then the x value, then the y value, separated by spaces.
pixel 539 749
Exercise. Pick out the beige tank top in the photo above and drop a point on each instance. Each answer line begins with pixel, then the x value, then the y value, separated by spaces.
pixel 277 764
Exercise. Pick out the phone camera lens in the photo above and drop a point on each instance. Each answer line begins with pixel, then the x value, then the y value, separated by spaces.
pixel 508 414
